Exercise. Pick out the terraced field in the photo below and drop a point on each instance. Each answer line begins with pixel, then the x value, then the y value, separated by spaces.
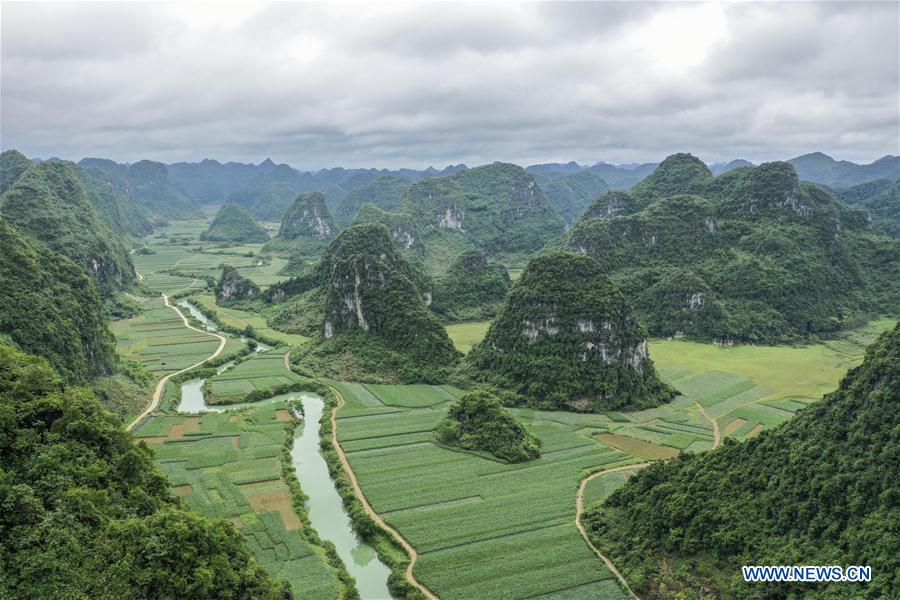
pixel 483 529
pixel 258 373
pixel 227 465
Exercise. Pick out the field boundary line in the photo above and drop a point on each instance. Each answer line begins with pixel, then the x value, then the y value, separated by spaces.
pixel 579 510
pixel 161 385
pixel 410 550
pixel 717 435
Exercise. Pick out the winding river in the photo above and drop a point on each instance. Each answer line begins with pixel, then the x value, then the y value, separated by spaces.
pixel 326 510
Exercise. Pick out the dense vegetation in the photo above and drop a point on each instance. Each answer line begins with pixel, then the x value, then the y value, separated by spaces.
pixel 881 198
pixel 384 192
pixel 50 307
pixel 820 489
pixel 368 304
pixel 478 421
pixel 567 339
pixel 570 194
pixel 233 224
pixel 232 287
pixel 12 165
pixel 49 203
pixel 85 512
pixel 306 227
pixel 497 209
pixel 821 168
pixel 146 182
pixel 115 207
pixel 751 255
pixel 473 289
pixel 401 226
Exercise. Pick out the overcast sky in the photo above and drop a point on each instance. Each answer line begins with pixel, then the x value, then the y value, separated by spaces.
pixel 417 84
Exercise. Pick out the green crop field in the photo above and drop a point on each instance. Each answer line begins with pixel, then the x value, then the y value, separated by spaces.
pixel 483 529
pixel 240 319
pixel 227 465
pixel 466 335
pixel 259 372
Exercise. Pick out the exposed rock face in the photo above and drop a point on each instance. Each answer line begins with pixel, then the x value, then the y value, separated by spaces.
pixel 400 225
pixel 611 204
pixel 308 217
pixel 233 287
pixel 234 224
pixel 566 336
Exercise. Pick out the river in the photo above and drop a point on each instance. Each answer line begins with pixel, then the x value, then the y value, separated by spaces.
pixel 326 509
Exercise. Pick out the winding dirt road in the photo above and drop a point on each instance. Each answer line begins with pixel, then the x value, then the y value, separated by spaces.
pixel 413 555
pixel 161 385
pixel 579 501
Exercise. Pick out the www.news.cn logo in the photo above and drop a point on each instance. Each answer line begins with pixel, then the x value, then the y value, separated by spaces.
pixel 813 574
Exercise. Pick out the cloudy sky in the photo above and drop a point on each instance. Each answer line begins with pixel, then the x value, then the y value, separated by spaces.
pixel 416 84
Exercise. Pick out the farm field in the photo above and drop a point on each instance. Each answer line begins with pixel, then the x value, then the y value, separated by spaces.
pixel 240 319
pixel 466 335
pixel 483 529
pixel 260 372
pixel 227 465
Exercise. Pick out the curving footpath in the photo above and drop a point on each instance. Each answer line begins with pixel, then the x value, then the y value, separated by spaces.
pixel 579 501
pixel 161 385
pixel 413 555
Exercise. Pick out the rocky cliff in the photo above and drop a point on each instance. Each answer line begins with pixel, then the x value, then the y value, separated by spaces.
pixel 306 227
pixel 233 287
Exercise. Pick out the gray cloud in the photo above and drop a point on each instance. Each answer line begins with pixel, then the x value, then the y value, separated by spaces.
pixel 416 84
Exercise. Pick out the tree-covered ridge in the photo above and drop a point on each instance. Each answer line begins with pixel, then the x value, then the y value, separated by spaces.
pixel 119 211
pixel 85 512
pixel 375 324
pixel 50 307
pixel 472 289
pixel 611 204
pixel 307 226
pixel 384 192
pixel 147 182
pixel 821 168
pixel 49 203
pixel 495 208
pixel 234 224
pixel 12 165
pixel 232 287
pixel 820 489
pixel 478 421
pixel 881 198
pixel 751 255
pixel 570 194
pixel 567 339
pixel 401 226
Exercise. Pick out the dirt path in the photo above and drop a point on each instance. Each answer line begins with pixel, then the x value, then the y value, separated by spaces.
pixel 139 276
pixel 717 435
pixel 413 555
pixel 161 385
pixel 579 510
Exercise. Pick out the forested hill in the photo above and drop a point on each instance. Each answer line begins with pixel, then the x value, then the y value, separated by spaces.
pixel 147 182
pixel 50 307
pixel 306 227
pixel 819 490
pixel 384 192
pixel 12 165
pixel 881 199
pixel 49 203
pixel 86 514
pixel 751 255
pixel 233 224
pixel 497 209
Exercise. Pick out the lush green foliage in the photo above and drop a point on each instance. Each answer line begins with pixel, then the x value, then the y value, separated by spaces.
pixel 817 490
pixel 49 203
pixel 50 307
pixel 12 165
pixel 384 192
pixel 567 339
pixel 821 168
pixel 400 224
pixel 751 255
pixel 881 198
pixel 118 210
pixel 306 228
pixel 610 204
pixel 495 208
pixel 232 287
pixel 570 194
pixel 233 224
pixel 86 514
pixel 478 421
pixel 473 289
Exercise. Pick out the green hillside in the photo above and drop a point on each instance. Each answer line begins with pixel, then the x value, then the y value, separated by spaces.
pixel 12 165
pixel 234 224
pixel 306 227
pixel 751 255
pixel 384 192
pixel 570 194
pixel 567 339
pixel 50 307
pixel 49 203
pixel 368 306
pixel 87 514
pixel 818 490
pixel 497 209
pixel 120 212
pixel 472 290
pixel 881 198
pixel 478 421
